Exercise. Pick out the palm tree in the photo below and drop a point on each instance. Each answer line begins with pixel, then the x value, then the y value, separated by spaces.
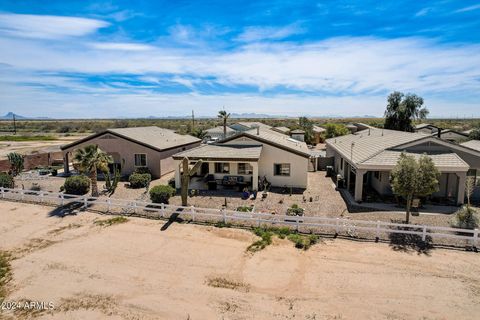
pixel 222 114
pixel 90 159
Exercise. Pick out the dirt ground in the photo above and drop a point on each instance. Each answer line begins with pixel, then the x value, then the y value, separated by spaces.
pixel 28 147
pixel 135 270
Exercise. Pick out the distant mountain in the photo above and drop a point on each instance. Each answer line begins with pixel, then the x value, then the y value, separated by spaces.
pixel 255 115
pixel 9 116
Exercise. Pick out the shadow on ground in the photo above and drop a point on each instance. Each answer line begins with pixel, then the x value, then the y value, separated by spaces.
pixel 69 209
pixel 173 218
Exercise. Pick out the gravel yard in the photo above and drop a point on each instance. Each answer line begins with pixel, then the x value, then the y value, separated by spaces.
pixel 325 200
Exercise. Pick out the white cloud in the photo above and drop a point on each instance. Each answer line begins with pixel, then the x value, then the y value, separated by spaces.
pixel 253 34
pixel 470 8
pixel 47 27
pixel 122 46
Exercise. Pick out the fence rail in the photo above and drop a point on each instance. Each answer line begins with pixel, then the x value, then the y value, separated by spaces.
pixel 319 225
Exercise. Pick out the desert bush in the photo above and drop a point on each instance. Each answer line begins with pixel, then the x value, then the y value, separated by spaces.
pixel 111 221
pixel 143 170
pixel 35 187
pixel 295 210
pixel 6 181
pixel 139 180
pixel 465 218
pixel 303 241
pixel 245 209
pixel 161 193
pixel 78 185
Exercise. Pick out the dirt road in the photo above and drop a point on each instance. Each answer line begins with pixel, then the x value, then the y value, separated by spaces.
pixel 136 271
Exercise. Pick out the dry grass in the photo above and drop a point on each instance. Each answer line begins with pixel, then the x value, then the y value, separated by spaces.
pixel 111 221
pixel 220 282
pixel 5 273
pixel 31 246
pixel 63 228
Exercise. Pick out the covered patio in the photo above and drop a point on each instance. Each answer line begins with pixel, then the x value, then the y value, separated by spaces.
pixel 222 166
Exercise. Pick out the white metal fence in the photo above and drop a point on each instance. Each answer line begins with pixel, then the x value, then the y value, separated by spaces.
pixel 315 225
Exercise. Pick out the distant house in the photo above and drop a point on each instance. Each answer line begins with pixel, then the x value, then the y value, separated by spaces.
pixel 283 130
pixel 298 135
pixel 216 133
pixel 318 134
pixel 452 135
pixel 248 125
pixel 249 156
pixel 426 128
pixel 131 148
pixel 364 161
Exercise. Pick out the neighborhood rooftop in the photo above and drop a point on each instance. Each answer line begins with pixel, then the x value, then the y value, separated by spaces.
pixel 279 139
pixel 222 152
pixel 365 144
pixel 156 137
pixel 472 144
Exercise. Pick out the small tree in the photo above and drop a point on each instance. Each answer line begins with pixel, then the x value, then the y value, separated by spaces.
pixel 475 134
pixel 185 179
pixel 224 115
pixel 307 126
pixel 402 110
pixel 16 163
pixel 411 178
pixel 89 160
pixel 335 130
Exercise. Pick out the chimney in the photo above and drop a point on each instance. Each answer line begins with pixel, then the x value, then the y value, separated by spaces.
pixel 258 131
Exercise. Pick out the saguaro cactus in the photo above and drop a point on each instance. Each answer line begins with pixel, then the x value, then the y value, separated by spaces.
pixel 186 174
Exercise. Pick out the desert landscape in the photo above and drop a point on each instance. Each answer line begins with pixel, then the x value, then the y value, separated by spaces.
pixel 142 269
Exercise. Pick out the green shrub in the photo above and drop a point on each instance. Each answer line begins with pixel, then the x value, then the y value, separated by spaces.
pixel 139 180
pixel 245 209
pixel 6 181
pixel 78 185
pixel 303 241
pixel 111 221
pixel 295 210
pixel 161 193
pixel 465 218
pixel 143 170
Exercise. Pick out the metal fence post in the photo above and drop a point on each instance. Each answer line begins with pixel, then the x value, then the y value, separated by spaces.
pixel 475 237
pixel 192 211
pixel 424 233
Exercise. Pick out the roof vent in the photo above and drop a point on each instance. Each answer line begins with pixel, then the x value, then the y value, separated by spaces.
pixel 258 131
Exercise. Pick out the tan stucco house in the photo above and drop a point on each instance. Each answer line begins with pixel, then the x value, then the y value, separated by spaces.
pixel 131 148
pixel 364 160
pixel 250 156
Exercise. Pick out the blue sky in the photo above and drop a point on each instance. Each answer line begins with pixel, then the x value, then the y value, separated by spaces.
pixel 140 58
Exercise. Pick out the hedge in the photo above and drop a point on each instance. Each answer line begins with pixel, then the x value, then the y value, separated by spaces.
pixel 6 181
pixel 78 185
pixel 139 180
pixel 161 194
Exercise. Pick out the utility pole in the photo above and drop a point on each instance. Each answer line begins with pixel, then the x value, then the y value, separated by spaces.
pixel 193 122
pixel 14 125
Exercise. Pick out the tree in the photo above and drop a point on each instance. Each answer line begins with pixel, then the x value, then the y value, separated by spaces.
pixel 412 178
pixel 307 126
pixel 223 115
pixel 335 130
pixel 475 134
pixel 16 163
pixel 199 133
pixel 89 160
pixel 402 110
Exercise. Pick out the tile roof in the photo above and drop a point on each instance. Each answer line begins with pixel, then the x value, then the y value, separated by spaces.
pixel 222 151
pixel 280 129
pixel 472 144
pixel 389 158
pixel 153 137
pixel 219 129
pixel 253 124
pixel 319 129
pixel 279 139
pixel 368 143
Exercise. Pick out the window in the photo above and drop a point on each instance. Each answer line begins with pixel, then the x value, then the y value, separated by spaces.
pixel 222 167
pixel 245 168
pixel 281 169
pixel 341 163
pixel 140 160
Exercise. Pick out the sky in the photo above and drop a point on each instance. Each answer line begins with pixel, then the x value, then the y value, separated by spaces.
pixel 110 59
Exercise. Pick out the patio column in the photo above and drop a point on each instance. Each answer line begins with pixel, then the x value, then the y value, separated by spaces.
pixel 359 184
pixel 255 176
pixel 462 178
pixel 66 166
pixel 178 182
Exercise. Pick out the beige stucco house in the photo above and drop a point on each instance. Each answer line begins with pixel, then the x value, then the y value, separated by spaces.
pixel 364 160
pixel 252 155
pixel 131 148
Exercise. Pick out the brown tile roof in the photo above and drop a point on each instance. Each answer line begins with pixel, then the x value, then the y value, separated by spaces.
pixel 222 152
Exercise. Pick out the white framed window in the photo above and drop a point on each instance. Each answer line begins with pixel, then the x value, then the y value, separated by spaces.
pixel 222 167
pixel 140 160
pixel 245 168
pixel 281 169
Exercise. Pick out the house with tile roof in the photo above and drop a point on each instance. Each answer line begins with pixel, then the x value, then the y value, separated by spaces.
pixel 365 159
pixel 130 148
pixel 249 157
